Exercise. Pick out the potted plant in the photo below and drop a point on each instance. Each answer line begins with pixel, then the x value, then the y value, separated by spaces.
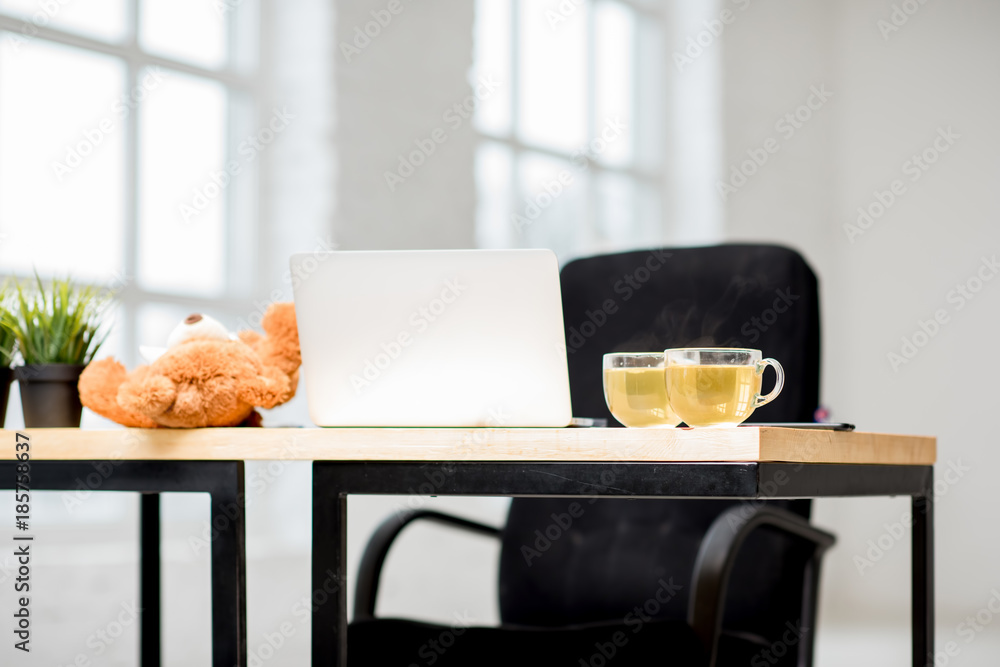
pixel 57 330
pixel 7 344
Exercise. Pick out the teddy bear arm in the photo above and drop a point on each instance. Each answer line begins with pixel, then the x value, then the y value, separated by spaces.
pixel 251 338
pixel 98 386
pixel 267 390
pixel 281 346
pixel 151 395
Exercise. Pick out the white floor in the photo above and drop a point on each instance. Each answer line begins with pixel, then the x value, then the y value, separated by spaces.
pixel 72 607
pixel 85 585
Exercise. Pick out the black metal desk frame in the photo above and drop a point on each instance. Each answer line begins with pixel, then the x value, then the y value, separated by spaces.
pixel 333 481
pixel 223 481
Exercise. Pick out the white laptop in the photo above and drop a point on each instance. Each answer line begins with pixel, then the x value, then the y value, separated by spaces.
pixel 432 338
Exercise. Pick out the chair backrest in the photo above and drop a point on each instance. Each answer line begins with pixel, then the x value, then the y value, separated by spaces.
pixel 615 554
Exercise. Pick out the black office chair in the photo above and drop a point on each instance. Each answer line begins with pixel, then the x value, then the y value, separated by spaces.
pixel 646 582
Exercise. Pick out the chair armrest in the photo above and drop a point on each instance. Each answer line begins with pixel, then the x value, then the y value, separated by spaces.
pixel 718 554
pixel 381 541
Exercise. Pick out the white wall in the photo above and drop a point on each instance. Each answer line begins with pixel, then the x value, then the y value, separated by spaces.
pixel 392 94
pixel 891 96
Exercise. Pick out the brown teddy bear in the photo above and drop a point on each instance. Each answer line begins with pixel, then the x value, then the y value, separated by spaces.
pixel 205 377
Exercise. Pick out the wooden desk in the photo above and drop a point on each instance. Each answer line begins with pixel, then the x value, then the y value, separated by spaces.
pixel 487 444
pixel 745 462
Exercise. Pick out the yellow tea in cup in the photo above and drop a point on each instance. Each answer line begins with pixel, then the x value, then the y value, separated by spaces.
pixel 717 386
pixel 709 395
pixel 635 390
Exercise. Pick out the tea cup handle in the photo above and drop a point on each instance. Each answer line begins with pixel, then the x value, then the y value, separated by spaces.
pixel 779 381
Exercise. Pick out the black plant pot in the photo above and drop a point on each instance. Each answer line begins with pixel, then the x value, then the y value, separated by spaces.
pixel 49 397
pixel 6 377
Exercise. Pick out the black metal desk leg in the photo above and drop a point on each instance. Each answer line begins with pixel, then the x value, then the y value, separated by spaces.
pixel 229 622
pixel 329 560
pixel 923 580
pixel 149 580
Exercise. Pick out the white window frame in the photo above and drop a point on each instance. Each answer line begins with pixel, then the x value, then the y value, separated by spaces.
pixel 239 276
pixel 654 178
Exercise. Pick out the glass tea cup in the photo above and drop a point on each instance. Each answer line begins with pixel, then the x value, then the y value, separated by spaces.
pixel 717 386
pixel 635 390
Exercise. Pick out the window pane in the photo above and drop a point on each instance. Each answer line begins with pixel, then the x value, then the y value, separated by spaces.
pixel 62 161
pixel 629 214
pixel 553 63
pixel 190 30
pixel 182 187
pixel 155 321
pixel 616 209
pixel 614 67
pixel 553 205
pixel 650 101
pixel 104 19
pixel 492 60
pixel 494 227
pixel 649 215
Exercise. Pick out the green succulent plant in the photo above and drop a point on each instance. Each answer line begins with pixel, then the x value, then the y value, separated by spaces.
pixel 7 340
pixel 57 324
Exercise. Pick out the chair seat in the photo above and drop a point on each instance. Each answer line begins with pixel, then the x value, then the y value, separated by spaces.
pixel 387 642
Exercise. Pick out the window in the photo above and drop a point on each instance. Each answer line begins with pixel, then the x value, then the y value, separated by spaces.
pixel 127 159
pixel 570 154
pixel 128 131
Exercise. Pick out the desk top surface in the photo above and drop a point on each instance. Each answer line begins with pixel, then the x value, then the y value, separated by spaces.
pixel 476 444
